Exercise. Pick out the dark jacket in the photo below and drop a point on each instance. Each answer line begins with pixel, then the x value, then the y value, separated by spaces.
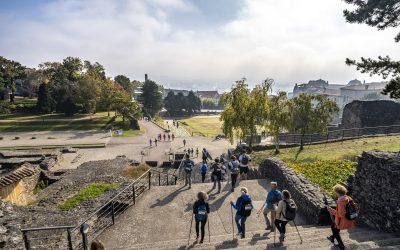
pixel 217 171
pixel 197 204
pixel 239 203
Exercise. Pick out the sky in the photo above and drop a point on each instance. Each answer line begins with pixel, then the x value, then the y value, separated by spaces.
pixel 196 44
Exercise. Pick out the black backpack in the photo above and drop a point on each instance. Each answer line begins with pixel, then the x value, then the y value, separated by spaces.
pixel 291 209
pixel 246 208
pixel 351 210
pixel 201 212
pixel 245 159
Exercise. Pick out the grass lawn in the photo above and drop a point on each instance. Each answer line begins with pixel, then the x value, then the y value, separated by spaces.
pixel 203 125
pixel 131 132
pixel 92 191
pixel 332 163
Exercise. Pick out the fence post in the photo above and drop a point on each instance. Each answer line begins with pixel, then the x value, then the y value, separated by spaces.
pixel 159 179
pixel 26 241
pixel 84 230
pixel 134 194
pixel 113 212
pixel 149 179
pixel 70 247
pixel 167 179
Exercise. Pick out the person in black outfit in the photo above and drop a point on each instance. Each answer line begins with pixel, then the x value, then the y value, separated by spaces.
pixel 216 174
pixel 201 209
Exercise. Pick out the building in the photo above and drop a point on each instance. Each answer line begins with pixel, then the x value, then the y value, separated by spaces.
pixel 175 91
pixel 212 96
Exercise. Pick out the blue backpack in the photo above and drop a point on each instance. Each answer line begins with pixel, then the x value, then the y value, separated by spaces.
pixel 204 168
pixel 201 212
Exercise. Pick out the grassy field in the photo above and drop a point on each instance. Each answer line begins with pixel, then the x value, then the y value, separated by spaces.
pixel 90 192
pixel 332 163
pixel 203 125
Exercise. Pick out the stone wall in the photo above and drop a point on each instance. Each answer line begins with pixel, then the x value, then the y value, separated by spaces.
pixel 308 196
pixel 376 186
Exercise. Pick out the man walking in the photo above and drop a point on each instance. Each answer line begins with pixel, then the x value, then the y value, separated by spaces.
pixel 203 171
pixel 270 205
pixel 188 167
pixel 244 160
pixel 233 167
pixel 216 174
pixel 184 142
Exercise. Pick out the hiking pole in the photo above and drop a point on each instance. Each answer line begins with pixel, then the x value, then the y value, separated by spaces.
pixel 233 228
pixel 301 240
pixel 275 227
pixel 209 234
pixel 190 230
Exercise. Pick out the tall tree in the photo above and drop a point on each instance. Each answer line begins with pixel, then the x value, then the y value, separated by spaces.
pixel 125 83
pixel 44 102
pixel 381 14
pixel 278 116
pixel 310 114
pixel 10 71
pixel 152 98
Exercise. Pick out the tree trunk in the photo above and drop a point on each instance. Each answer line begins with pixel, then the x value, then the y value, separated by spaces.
pixel 302 141
pixel 277 143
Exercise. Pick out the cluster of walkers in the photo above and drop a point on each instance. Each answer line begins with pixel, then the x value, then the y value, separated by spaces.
pixel 279 209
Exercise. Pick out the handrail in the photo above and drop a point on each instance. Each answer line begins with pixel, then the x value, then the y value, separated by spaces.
pixel 45 228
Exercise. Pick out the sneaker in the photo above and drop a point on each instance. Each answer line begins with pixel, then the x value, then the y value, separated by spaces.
pixel 243 236
pixel 331 239
pixel 282 238
pixel 201 242
pixel 339 247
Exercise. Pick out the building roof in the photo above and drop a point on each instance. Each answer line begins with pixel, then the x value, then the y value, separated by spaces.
pixel 208 94
pixel 16 175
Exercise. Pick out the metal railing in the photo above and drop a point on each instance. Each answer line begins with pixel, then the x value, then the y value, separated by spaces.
pixel 79 236
pixel 339 134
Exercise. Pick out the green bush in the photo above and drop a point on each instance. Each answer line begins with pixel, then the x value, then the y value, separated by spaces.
pixel 326 174
pixel 41 185
pixel 134 172
pixel 90 192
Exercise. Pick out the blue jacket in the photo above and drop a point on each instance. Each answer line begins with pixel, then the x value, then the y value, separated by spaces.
pixel 270 197
pixel 239 202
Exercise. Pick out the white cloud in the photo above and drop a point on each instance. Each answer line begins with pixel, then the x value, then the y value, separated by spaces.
pixel 290 41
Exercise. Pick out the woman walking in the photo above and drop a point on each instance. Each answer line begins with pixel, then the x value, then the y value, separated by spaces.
pixel 281 219
pixel 201 209
pixel 243 207
pixel 341 222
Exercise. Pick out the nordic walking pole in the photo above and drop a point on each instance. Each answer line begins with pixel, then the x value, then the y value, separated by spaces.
pixel 233 228
pixel 209 234
pixel 275 227
pixel 301 240
pixel 190 230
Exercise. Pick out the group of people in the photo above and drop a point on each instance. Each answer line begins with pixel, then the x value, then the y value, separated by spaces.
pixel 160 137
pixel 278 210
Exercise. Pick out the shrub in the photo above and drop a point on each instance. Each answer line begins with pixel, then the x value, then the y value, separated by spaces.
pixel 41 185
pixel 90 192
pixel 134 172
pixel 326 173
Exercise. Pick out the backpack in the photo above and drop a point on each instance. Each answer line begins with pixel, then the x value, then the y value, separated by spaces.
pixel 291 209
pixel 188 166
pixel 201 212
pixel 203 168
pixel 234 167
pixel 246 208
pixel 352 210
pixel 245 159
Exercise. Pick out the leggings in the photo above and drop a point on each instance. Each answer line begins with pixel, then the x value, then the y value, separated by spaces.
pixel 281 226
pixel 200 224
pixel 203 177
pixel 336 234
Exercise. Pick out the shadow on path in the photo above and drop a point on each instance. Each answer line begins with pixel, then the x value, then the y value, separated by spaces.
pixel 168 199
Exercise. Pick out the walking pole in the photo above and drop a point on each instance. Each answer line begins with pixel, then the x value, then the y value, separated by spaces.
pixel 301 240
pixel 233 228
pixel 190 230
pixel 275 227
pixel 209 234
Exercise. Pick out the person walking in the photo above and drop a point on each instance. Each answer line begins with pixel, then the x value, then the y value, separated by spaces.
pixel 284 213
pixel 169 137
pixel 201 209
pixel 342 219
pixel 203 171
pixel 188 167
pixel 184 142
pixel 197 152
pixel 270 206
pixel 216 174
pixel 233 167
pixel 244 160
pixel 173 136
pixel 164 136
pixel 243 208
pixel 155 142
pixel 204 155
pixel 151 142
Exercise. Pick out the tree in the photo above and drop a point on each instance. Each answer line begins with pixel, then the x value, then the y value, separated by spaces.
pixel 152 98
pixel 278 116
pixel 125 83
pixel 44 103
pixel 193 103
pixel 10 71
pixel 310 114
pixel 381 14
pixel 88 92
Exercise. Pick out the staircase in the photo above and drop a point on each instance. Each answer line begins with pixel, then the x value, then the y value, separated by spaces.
pixel 161 220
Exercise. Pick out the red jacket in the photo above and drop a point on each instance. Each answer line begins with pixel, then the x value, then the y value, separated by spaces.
pixel 340 214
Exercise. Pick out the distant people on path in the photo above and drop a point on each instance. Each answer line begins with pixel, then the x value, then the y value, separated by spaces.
pixel 97 245
pixel 201 209
pixel 244 160
pixel 285 212
pixel 184 142
pixel 151 143
pixel 164 136
pixel 270 206
pixel 216 174
pixel 177 125
pixel 169 137
pixel 188 167
pixel 155 142
pixel 233 167
pixel 243 208
pixel 204 154
pixel 197 152
pixel 344 215
pixel 173 136
pixel 203 171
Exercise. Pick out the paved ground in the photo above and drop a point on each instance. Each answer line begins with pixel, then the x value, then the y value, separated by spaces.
pixel 174 205
pixel 132 147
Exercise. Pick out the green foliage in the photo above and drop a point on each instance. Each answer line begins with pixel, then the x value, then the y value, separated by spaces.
pixel 125 83
pixel 10 71
pixel 326 174
pixel 41 185
pixel 278 116
pixel 152 98
pixel 310 114
pixel 44 102
pixel 178 104
pixel 381 14
pixel 134 172
pixel 209 126
pixel 90 192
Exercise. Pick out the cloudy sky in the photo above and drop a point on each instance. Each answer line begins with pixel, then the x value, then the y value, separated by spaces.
pixel 199 44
